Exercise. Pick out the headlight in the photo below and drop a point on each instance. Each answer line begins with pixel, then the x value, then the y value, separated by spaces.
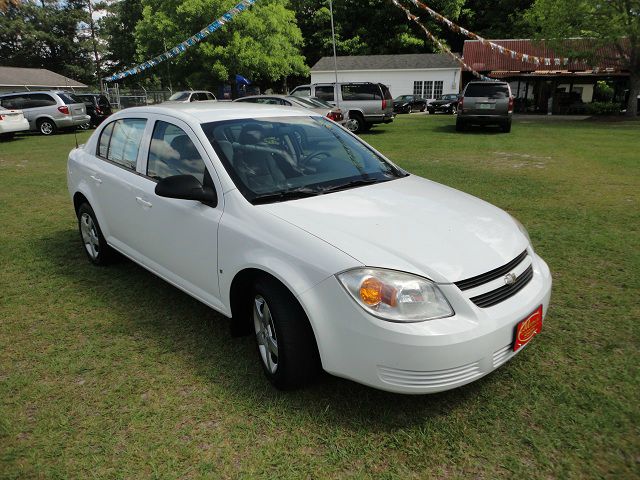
pixel 446 105
pixel 522 229
pixel 395 296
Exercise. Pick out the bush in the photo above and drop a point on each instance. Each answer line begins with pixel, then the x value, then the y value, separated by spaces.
pixel 603 108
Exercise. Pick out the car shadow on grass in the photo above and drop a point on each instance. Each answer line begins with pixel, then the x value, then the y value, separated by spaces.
pixel 142 305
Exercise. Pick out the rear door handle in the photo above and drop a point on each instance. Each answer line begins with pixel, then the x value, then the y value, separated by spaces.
pixel 96 179
pixel 143 202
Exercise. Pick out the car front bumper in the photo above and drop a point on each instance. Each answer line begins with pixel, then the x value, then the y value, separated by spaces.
pixel 424 357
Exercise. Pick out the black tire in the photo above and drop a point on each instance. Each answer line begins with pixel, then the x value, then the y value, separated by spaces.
pixel 423 108
pixel 357 123
pixel 46 126
pixel 7 136
pixel 276 313
pixel 407 109
pixel 460 125
pixel 506 127
pixel 93 242
pixel 431 111
pixel 454 110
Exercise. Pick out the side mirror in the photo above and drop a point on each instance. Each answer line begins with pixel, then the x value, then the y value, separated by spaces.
pixel 186 187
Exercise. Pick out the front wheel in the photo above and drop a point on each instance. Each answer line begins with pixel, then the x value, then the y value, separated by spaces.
pixel 454 110
pixel 95 245
pixel 286 344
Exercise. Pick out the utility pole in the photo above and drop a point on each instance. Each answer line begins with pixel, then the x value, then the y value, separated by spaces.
pixel 335 57
pixel 92 27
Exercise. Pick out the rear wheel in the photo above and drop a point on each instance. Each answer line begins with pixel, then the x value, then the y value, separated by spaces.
pixel 7 136
pixel 46 126
pixel 460 125
pixel 423 108
pixel 286 344
pixel 356 123
pixel 506 127
pixel 95 245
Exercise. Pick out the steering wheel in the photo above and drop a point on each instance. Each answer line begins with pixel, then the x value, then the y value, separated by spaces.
pixel 315 156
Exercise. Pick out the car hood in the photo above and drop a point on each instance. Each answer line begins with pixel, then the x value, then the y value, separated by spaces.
pixel 410 224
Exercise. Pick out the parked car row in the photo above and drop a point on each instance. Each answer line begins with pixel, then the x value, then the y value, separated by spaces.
pixel 48 111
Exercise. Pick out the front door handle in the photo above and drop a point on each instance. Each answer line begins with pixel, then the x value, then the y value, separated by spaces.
pixel 98 180
pixel 143 202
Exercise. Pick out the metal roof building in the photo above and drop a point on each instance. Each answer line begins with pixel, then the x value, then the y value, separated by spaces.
pixel 15 79
pixel 564 88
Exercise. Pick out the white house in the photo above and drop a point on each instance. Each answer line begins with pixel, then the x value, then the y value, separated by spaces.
pixel 426 74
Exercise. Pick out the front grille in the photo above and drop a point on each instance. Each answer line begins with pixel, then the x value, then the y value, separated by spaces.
pixel 490 275
pixel 433 379
pixel 500 294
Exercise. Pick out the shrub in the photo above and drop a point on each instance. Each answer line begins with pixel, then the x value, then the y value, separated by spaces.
pixel 603 108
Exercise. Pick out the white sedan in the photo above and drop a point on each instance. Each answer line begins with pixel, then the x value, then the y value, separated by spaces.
pixel 303 234
pixel 12 121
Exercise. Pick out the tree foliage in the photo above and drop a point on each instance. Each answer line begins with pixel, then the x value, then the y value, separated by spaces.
pixel 608 23
pixel 117 28
pixel 363 27
pixel 46 35
pixel 262 44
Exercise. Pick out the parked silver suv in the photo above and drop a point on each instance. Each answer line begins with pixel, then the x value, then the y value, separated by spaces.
pixel 366 103
pixel 47 111
pixel 485 103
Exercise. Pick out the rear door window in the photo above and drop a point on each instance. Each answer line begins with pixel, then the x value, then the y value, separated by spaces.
pixel 487 90
pixel 124 143
pixel 364 91
pixel 325 92
pixel 103 143
pixel 69 98
pixel 37 100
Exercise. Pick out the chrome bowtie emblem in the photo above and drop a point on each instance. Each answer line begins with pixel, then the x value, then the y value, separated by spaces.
pixel 510 278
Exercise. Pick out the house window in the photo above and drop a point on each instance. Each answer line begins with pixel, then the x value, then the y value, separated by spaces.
pixel 437 89
pixel 417 88
pixel 428 89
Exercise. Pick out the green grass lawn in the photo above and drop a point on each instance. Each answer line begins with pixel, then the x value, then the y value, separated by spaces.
pixel 112 373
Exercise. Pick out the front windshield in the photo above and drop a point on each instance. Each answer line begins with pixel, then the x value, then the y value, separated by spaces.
pixel 403 98
pixel 179 96
pixel 275 159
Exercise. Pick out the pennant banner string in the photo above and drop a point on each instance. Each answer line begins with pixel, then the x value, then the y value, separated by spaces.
pixel 494 46
pixel 189 42
pixel 442 47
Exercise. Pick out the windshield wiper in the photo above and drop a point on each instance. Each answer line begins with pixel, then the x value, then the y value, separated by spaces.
pixel 283 195
pixel 354 183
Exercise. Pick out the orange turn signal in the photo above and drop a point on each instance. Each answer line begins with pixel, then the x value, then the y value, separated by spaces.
pixel 373 291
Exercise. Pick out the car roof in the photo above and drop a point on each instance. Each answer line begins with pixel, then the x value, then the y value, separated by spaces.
pixel 213 112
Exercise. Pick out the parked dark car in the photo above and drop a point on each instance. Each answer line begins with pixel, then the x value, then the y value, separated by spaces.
pixel 485 103
pixel 98 107
pixel 409 103
pixel 446 104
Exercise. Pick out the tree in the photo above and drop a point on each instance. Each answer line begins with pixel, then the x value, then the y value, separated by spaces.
pixel 607 23
pixel 364 27
pixel 262 44
pixel 117 28
pixel 46 35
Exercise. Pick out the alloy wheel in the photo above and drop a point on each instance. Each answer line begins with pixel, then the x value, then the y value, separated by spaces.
pixel 265 334
pixel 89 235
